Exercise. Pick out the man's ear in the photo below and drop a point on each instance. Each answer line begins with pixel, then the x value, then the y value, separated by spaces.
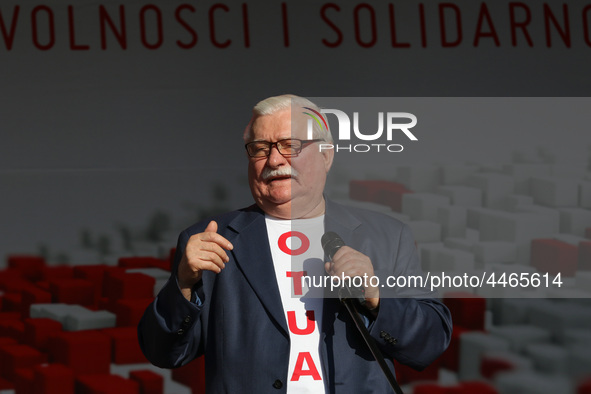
pixel 328 155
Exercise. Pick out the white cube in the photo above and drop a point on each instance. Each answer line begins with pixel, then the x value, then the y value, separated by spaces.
pixel 472 346
pixel 519 336
pixel 459 243
pixel 522 174
pixel 425 231
pixel 494 252
pixel 574 221
pixel 585 194
pixel 529 382
pixel 464 196
pixel 555 192
pixel 423 206
pixel 457 174
pixel 495 187
pixel 419 178
pixel 548 357
pixel 453 221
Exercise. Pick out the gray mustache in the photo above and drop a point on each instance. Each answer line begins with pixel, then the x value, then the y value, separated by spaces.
pixel 269 173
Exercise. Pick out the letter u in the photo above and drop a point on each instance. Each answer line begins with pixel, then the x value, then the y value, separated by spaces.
pixel 293 327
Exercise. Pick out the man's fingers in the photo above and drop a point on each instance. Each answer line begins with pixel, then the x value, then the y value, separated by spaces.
pixel 215 248
pixel 206 265
pixel 211 236
pixel 212 227
pixel 205 251
pixel 212 262
pixel 349 262
pixel 212 257
pixel 346 253
pixel 349 271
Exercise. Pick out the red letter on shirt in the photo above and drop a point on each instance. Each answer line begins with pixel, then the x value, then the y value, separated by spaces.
pixel 297 281
pixel 298 371
pixel 293 326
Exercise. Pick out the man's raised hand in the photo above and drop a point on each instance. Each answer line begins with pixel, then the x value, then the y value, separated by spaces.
pixel 204 252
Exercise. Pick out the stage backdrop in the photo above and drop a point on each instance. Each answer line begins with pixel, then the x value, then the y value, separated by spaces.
pixel 111 111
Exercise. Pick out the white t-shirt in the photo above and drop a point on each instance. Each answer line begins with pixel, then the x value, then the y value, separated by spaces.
pixel 297 252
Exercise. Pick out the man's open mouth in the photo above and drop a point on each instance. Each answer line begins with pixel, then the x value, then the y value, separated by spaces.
pixel 278 178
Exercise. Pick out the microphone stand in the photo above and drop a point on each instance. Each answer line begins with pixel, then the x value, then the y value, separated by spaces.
pixel 349 302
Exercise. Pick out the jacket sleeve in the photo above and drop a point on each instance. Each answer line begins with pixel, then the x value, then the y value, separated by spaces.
pixel 412 325
pixel 170 330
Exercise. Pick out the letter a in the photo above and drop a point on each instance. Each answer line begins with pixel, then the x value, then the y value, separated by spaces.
pixel 298 371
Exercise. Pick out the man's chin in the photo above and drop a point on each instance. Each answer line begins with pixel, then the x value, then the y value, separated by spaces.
pixel 279 190
pixel 280 208
pixel 280 200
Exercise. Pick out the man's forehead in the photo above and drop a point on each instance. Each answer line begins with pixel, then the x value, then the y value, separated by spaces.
pixel 281 124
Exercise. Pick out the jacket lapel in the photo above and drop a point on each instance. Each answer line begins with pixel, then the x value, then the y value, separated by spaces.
pixel 253 258
pixel 340 221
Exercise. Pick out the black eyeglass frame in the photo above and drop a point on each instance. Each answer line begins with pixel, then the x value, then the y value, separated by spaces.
pixel 277 145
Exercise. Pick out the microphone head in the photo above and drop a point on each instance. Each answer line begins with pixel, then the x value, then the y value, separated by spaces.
pixel 331 243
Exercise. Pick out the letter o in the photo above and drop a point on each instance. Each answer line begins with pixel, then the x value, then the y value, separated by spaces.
pixel 357 281
pixel 401 281
pixel 395 151
pixel 282 243
pixel 374 283
pixel 362 151
pixel 51 27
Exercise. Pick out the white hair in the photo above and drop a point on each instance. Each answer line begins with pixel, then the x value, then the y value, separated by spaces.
pixel 274 104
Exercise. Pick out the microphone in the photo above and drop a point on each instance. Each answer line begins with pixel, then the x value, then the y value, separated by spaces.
pixel 331 243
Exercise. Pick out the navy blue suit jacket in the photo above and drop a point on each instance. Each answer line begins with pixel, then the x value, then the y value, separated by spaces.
pixel 241 326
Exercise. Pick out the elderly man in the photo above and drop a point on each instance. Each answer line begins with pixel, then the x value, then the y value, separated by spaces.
pixel 236 294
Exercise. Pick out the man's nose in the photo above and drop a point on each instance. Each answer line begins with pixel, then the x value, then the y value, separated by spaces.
pixel 275 158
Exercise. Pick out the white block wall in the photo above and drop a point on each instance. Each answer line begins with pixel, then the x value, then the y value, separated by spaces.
pixel 518 228
pixel 419 178
pixel 514 311
pixel 495 187
pixel 453 221
pixel 459 243
pixel 90 321
pixel 464 196
pixel 569 239
pixel 494 252
pixel 74 317
pixel 555 192
pixel 457 174
pixel 519 336
pixel 160 275
pixel 512 202
pixel 578 337
pixel 525 382
pixel 423 206
pixel 425 231
pixel 472 346
pixel 438 258
pixel 559 316
pixel 574 220
pixel 522 174
pixel 579 360
pixel 548 357
pixel 585 194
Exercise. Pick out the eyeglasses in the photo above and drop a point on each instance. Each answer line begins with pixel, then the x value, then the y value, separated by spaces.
pixel 288 147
